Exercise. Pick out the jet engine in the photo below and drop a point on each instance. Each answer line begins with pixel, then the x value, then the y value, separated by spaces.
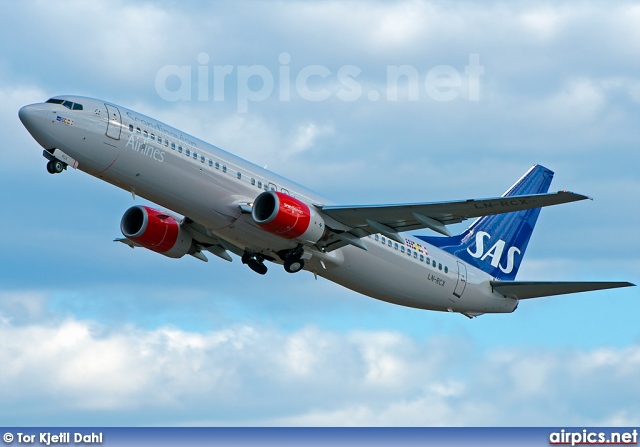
pixel 157 231
pixel 287 217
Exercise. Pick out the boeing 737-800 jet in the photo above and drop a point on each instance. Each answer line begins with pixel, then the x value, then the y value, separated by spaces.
pixel 233 206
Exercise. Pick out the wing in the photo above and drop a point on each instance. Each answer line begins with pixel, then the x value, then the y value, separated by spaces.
pixel 362 220
pixel 537 289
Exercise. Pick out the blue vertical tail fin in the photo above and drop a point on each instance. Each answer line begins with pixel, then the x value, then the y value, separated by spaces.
pixel 496 244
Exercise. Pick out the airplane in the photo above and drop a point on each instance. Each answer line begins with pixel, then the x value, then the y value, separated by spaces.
pixel 222 205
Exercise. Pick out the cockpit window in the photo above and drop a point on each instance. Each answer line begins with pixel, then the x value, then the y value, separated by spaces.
pixel 68 104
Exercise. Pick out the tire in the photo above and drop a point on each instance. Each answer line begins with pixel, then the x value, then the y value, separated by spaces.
pixel 257 267
pixel 58 166
pixel 50 168
pixel 293 265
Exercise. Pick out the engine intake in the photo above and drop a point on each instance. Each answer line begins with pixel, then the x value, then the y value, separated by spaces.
pixel 287 217
pixel 157 231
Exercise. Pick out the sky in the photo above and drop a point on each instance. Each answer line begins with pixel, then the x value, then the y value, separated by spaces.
pixel 94 333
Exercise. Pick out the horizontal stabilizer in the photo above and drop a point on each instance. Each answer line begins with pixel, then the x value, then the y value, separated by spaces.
pixel 538 289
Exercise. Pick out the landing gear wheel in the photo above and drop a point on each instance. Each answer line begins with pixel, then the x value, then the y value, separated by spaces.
pixel 293 265
pixel 55 167
pixel 257 267
pixel 255 262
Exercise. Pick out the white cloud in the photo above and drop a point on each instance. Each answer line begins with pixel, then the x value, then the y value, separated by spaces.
pixel 544 23
pixel 308 377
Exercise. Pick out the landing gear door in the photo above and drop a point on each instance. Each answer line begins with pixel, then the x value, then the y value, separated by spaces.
pixel 462 280
pixel 114 122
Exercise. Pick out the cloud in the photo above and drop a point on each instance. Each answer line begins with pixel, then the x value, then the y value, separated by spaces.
pixel 254 375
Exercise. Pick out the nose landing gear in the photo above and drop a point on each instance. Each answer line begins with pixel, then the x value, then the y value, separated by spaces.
pixel 56 166
pixel 58 161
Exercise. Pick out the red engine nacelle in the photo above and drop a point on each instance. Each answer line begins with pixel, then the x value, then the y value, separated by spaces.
pixel 287 217
pixel 156 231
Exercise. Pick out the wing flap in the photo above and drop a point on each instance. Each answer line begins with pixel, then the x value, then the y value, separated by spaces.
pixel 538 289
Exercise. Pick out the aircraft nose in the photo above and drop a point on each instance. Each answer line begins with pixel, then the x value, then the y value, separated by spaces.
pixel 34 119
pixel 28 116
pixel 24 113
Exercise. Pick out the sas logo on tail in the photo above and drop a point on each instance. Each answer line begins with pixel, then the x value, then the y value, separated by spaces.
pixel 495 252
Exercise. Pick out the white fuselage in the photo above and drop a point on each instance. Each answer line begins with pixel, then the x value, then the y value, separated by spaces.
pixel 121 146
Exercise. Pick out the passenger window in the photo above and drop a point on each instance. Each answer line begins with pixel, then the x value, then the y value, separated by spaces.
pixel 408 252
pixel 153 137
pixel 202 159
pixel 187 152
pixel 421 258
pixel 446 269
pixel 180 149
pixel 253 181
pixel 166 143
pixel 383 239
pixel 210 162
pixel 428 261
pixel 377 237
pixel 77 106
pixel 402 249
pixel 265 187
pixel 389 243
pixel 259 184
pixel 395 246
pixel 137 130
pixel 217 165
pixel 433 263
pixel 224 169
pixel 195 156
pixel 146 134
pixel 130 127
pixel 239 176
pixel 173 146
pixel 439 266
pixel 415 254
pixel 159 140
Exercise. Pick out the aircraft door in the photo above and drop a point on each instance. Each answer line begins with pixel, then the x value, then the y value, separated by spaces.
pixel 114 122
pixel 462 280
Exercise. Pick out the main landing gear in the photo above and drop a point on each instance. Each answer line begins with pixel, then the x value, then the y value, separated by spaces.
pixel 293 265
pixel 293 261
pixel 56 166
pixel 255 262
